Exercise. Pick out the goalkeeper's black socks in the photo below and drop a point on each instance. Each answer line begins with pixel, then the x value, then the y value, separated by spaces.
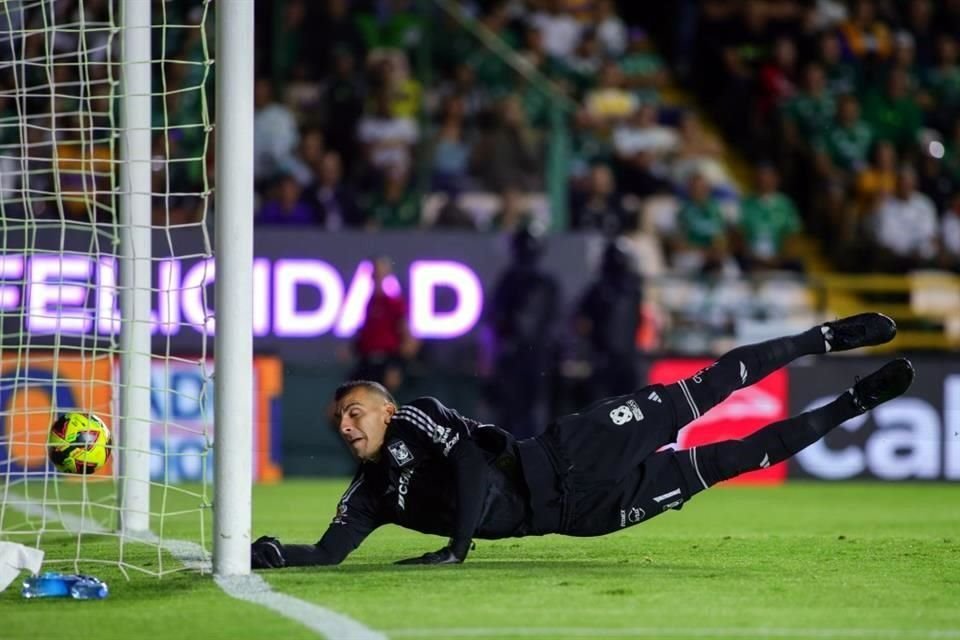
pixel 741 367
pixel 749 364
pixel 780 440
pixel 772 444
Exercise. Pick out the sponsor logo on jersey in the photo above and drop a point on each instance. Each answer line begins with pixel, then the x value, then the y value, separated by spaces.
pixel 621 415
pixel 448 445
pixel 633 516
pixel 398 449
pixel 654 397
pixel 403 488
pixel 673 504
pixel 669 494
pixel 438 434
pixel 341 517
pixel 626 412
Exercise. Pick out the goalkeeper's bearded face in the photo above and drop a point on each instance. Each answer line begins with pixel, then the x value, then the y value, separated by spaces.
pixel 362 417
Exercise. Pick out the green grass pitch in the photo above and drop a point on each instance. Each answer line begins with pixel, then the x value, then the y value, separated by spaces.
pixel 801 561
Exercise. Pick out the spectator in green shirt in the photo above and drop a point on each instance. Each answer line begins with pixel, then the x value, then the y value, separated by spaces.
pixel 397 26
pixel 491 71
pixel 894 114
pixel 643 69
pixel 293 46
pixel 768 221
pixel 841 154
pixel 395 206
pixel 580 69
pixel 536 103
pixel 701 242
pixel 842 76
pixel 811 111
pixel 845 146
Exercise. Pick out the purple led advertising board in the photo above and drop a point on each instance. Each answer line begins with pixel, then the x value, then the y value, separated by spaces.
pixel 310 288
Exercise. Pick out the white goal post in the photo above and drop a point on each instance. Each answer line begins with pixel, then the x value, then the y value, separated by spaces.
pixel 136 257
pixel 234 294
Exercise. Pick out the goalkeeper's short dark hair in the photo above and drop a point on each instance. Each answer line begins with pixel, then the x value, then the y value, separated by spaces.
pixel 369 385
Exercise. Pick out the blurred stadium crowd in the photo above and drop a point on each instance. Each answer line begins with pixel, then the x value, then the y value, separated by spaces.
pixel 837 118
pixel 850 105
pixel 698 137
pixel 346 132
pixel 857 103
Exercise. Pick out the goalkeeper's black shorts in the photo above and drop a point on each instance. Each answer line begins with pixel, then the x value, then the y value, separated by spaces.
pixel 599 470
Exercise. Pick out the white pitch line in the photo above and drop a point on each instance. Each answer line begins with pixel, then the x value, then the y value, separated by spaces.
pixel 668 632
pixel 71 522
pixel 251 588
pixel 335 626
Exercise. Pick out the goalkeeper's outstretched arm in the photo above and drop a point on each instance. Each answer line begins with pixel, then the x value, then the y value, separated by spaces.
pixel 337 543
pixel 356 518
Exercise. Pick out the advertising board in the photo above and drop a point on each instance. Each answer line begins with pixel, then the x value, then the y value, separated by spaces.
pixel 181 426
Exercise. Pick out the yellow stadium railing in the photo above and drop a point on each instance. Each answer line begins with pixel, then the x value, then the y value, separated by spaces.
pixel 925 304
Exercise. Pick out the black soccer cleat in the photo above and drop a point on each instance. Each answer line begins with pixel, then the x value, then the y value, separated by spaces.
pixel 861 330
pixel 886 383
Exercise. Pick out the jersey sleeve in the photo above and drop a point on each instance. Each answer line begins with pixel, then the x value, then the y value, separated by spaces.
pixel 358 514
pixel 436 431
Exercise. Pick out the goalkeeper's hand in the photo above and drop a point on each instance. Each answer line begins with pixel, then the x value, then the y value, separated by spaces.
pixel 443 556
pixel 267 553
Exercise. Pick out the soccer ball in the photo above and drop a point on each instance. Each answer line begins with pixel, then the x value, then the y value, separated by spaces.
pixel 79 443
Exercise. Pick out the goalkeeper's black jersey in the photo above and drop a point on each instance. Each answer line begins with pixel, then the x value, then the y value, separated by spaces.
pixel 438 473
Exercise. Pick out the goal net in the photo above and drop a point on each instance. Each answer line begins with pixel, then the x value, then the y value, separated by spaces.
pixel 105 273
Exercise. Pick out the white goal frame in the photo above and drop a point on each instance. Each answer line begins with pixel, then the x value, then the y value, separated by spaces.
pixel 120 191
pixel 233 241
pixel 135 257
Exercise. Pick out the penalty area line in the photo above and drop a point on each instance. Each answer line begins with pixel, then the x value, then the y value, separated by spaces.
pixel 251 588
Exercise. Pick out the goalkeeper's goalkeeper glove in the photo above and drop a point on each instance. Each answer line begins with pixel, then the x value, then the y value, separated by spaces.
pixel 267 553
pixel 442 556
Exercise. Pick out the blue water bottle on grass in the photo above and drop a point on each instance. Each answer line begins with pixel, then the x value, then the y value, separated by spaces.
pixel 45 585
pixel 60 585
pixel 88 588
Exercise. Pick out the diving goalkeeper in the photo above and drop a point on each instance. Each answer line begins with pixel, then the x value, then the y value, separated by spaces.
pixel 425 467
